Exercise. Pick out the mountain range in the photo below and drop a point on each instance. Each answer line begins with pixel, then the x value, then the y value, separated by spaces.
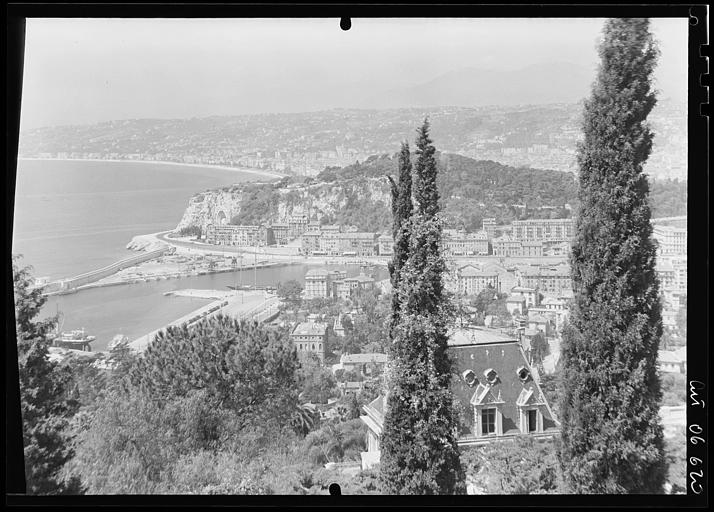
pixel 557 82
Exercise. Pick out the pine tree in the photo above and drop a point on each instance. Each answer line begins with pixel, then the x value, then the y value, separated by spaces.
pixel 45 393
pixel 612 437
pixel 419 454
pixel 401 212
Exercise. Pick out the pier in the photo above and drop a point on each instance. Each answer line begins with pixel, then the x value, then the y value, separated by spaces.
pixel 66 285
pixel 256 306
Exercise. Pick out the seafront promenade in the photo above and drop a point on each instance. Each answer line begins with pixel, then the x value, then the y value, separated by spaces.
pixel 258 306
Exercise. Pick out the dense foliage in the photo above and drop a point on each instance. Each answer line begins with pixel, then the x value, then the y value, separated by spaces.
pixel 471 190
pixel 612 437
pixel 47 395
pixel 522 466
pixel 419 454
pixel 259 204
pixel 402 209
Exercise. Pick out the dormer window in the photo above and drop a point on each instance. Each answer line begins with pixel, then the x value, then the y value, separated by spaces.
pixel 470 378
pixel 523 373
pixel 491 376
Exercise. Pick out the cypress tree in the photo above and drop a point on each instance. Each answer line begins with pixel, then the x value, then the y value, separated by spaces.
pixel 611 432
pixel 401 212
pixel 418 444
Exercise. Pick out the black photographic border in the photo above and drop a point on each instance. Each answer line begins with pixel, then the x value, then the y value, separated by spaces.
pixel 698 250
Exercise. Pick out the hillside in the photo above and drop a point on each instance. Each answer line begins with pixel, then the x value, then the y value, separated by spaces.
pixel 358 194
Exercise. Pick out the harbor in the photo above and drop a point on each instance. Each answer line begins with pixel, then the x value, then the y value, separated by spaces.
pixel 259 306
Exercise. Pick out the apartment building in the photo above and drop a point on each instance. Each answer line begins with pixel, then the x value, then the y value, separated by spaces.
pixel 317 283
pixel 241 236
pixel 471 280
pixel 543 229
pixel 550 280
pixel 671 241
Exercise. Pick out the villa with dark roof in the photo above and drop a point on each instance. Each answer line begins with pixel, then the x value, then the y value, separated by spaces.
pixel 493 382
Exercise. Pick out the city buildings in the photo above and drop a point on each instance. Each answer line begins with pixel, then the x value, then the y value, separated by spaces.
pixel 543 229
pixel 317 284
pixel 385 245
pixel 506 247
pixel 310 338
pixel 531 295
pixel 516 304
pixel 671 241
pixel 459 243
pixel 321 283
pixel 471 280
pixel 551 280
pixel 364 364
pixel 310 242
pixel 241 236
pixel 672 361
pixel 280 233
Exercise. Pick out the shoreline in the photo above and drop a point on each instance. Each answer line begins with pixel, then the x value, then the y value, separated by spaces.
pixel 163 162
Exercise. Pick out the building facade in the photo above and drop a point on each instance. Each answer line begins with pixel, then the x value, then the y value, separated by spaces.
pixel 543 229
pixel 550 280
pixel 472 280
pixel 385 245
pixel 671 241
pixel 310 338
pixel 241 236
pixel 317 284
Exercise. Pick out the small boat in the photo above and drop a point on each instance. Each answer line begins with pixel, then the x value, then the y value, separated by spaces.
pixel 76 339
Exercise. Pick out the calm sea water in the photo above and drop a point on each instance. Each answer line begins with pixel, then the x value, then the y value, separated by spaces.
pixel 137 309
pixel 72 217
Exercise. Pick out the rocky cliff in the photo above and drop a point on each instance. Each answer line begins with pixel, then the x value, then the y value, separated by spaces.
pixel 363 202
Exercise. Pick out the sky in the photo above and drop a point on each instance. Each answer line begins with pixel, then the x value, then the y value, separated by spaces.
pixel 84 71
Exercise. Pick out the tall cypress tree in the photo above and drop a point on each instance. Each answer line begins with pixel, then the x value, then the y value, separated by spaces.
pixel 611 432
pixel 401 212
pixel 418 444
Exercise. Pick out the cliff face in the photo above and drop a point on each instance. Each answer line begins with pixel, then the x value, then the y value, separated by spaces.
pixel 210 207
pixel 363 202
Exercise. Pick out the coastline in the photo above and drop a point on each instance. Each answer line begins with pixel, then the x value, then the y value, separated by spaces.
pixel 163 162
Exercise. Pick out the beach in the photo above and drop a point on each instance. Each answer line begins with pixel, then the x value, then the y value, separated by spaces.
pixel 163 162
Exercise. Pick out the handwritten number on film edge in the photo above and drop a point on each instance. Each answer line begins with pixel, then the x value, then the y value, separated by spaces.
pixel 695 477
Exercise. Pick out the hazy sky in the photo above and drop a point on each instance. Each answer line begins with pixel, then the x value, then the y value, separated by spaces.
pixel 90 70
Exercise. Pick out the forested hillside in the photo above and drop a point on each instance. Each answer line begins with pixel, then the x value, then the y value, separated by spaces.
pixel 471 190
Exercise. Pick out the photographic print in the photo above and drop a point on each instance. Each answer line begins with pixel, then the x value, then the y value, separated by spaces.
pixel 431 256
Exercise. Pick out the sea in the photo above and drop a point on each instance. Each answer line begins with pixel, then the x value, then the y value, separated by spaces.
pixel 74 216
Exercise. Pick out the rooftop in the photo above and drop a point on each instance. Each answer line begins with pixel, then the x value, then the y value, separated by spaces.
pixel 538 319
pixel 477 336
pixel 310 329
pixel 523 289
pixel 363 358
pixel 361 236
pixel 473 271
pixel 317 272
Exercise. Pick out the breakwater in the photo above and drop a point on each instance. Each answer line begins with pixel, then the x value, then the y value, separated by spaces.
pixel 65 285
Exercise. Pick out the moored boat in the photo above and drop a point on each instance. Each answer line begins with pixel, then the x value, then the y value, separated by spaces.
pixel 76 339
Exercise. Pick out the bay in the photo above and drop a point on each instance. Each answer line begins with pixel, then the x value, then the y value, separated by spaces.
pixel 75 216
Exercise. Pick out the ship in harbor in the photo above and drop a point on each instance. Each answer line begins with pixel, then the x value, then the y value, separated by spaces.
pixel 76 339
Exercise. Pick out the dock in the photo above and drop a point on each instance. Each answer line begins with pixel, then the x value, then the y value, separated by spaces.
pixel 257 306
